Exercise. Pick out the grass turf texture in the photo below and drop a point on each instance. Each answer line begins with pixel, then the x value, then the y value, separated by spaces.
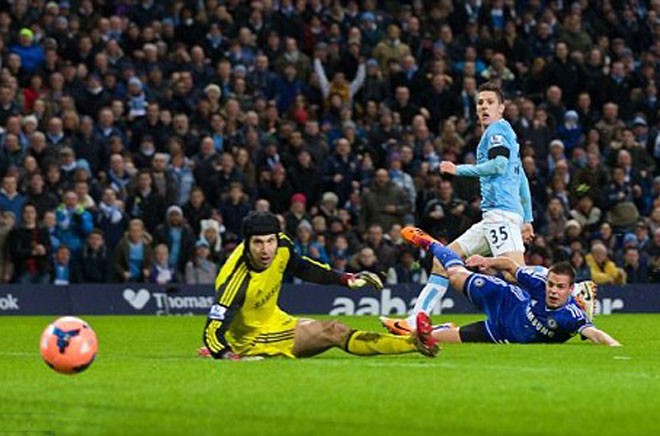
pixel 147 380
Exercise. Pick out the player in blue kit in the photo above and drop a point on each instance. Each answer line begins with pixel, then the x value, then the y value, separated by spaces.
pixel 505 202
pixel 540 309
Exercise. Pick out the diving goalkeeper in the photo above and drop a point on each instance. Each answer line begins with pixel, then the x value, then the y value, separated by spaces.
pixel 246 322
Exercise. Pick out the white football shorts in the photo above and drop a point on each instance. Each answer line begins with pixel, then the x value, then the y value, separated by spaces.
pixel 497 233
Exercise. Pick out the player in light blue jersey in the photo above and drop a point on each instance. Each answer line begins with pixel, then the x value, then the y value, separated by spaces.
pixel 505 202
pixel 539 309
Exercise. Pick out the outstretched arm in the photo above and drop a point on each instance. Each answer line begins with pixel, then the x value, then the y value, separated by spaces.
pixel 313 271
pixel 493 167
pixel 599 337
pixel 320 273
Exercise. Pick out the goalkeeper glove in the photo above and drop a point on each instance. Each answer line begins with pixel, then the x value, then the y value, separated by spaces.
pixel 230 355
pixel 363 278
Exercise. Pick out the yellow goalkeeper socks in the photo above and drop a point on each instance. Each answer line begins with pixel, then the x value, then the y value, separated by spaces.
pixel 363 343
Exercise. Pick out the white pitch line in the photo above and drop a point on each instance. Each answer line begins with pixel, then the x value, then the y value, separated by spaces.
pixel 17 353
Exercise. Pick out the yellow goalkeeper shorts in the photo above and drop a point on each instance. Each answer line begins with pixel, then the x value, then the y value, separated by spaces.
pixel 272 340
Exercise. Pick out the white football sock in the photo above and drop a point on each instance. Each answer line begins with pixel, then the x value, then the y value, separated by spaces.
pixel 432 292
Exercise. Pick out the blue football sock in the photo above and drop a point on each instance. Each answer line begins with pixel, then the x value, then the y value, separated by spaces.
pixel 445 255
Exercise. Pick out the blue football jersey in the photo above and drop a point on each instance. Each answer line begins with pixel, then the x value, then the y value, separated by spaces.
pixel 501 192
pixel 531 321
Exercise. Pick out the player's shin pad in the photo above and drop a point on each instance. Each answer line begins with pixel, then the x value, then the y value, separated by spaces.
pixel 363 343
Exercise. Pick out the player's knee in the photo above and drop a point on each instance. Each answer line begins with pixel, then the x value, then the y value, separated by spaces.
pixel 336 332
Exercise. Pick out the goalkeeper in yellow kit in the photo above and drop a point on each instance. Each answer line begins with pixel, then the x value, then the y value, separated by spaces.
pixel 246 322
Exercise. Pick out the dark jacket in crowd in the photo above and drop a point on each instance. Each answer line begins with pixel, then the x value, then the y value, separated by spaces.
pixel 21 242
pixel 95 265
pixel 150 209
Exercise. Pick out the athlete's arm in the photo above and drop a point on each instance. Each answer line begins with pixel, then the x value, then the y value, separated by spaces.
pixel 217 323
pixel 309 270
pixel 528 215
pixel 494 167
pixel 503 264
pixel 599 336
pixel 499 143
pixel 321 273
pixel 531 280
pixel 317 272
pixel 313 271
pixel 526 199
pixel 231 286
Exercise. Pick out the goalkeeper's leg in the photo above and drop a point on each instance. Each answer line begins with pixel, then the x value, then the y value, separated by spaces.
pixel 313 337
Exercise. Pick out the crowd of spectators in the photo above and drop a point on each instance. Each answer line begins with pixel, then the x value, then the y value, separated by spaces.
pixel 136 134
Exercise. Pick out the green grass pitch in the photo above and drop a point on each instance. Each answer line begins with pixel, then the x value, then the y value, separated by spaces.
pixel 147 380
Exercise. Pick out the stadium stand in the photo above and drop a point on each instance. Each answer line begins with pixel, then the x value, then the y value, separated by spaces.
pixel 182 116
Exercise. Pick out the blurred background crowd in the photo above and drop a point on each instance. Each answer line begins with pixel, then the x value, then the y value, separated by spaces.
pixel 136 134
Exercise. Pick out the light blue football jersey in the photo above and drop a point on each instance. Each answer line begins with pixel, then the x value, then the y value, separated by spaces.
pixel 501 192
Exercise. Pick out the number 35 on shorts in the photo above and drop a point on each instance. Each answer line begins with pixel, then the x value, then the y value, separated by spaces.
pixel 498 235
pixel 503 238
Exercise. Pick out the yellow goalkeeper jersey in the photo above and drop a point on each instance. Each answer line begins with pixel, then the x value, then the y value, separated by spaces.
pixel 246 312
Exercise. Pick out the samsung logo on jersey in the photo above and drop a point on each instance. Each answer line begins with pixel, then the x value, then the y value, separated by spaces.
pixel 537 324
pixel 265 298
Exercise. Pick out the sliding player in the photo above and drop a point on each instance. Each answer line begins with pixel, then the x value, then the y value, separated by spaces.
pixel 540 309
pixel 505 202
